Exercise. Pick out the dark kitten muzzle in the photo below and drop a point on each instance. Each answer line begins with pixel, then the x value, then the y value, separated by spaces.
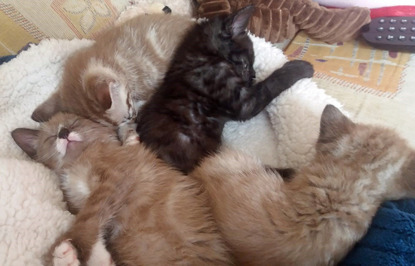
pixel 249 77
pixel 63 133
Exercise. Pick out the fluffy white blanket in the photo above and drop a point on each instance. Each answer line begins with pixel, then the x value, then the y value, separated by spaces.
pixel 32 213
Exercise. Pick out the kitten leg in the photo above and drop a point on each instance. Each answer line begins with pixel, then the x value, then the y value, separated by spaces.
pixel 74 247
pixel 100 255
pixel 65 254
pixel 138 10
pixel 98 213
pixel 265 91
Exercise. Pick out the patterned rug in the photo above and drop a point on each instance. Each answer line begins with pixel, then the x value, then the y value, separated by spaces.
pixel 23 22
pixel 353 64
pixel 375 86
pixel 32 21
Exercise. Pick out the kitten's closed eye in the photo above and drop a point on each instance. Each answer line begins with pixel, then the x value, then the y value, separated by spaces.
pixel 242 64
pixel 244 68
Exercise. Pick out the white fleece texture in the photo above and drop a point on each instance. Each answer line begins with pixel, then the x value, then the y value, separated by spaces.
pixel 32 213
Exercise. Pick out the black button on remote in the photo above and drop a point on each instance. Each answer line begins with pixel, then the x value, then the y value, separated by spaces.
pixel 391 33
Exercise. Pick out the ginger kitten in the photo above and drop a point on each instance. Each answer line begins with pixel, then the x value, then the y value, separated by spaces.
pixel 325 208
pixel 127 201
pixel 109 80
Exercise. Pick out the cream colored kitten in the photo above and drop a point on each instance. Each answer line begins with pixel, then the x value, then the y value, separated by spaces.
pixel 127 201
pixel 325 208
pixel 109 80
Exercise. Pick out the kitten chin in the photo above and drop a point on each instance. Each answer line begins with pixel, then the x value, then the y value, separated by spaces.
pixel 316 216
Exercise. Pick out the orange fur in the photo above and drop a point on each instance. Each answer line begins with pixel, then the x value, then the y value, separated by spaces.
pixel 108 80
pixel 150 214
pixel 146 212
pixel 325 208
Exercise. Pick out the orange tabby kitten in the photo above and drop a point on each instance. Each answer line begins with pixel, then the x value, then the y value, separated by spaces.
pixel 325 208
pixel 128 201
pixel 109 80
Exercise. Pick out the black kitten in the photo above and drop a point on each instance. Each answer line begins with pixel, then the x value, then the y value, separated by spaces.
pixel 209 82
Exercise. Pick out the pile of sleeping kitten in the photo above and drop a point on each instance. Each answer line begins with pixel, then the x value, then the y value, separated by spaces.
pixel 134 134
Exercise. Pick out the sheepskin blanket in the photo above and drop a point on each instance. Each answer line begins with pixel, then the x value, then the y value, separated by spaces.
pixel 32 211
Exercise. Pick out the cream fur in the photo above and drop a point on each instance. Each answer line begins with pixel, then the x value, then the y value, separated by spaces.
pixel 316 217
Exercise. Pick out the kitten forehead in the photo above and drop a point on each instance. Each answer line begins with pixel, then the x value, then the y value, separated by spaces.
pixel 63 118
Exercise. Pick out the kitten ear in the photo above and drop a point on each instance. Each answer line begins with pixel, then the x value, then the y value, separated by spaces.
pixel 26 139
pixel 99 86
pixel 333 124
pixel 105 87
pixel 47 109
pixel 239 20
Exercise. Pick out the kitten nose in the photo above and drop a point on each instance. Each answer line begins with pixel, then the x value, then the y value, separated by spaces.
pixel 63 133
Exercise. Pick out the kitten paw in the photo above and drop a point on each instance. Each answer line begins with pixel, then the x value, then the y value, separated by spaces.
pixel 127 133
pixel 100 255
pixel 65 255
pixel 138 10
pixel 298 69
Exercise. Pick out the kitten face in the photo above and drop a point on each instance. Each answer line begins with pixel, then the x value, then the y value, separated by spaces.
pixel 229 38
pixel 243 59
pixel 62 139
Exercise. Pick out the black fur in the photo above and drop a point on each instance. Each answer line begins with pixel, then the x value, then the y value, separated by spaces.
pixel 209 83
